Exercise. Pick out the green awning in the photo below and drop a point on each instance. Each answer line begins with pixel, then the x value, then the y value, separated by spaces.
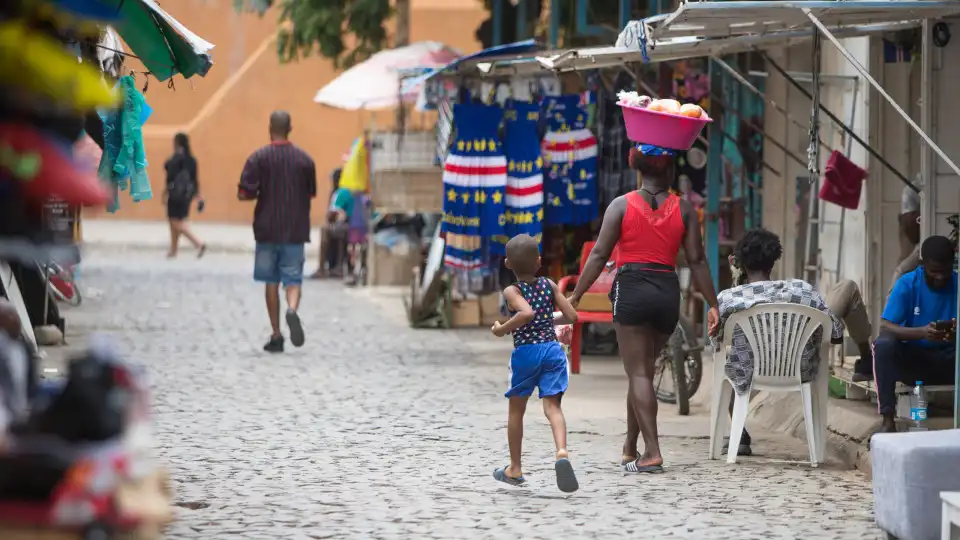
pixel 165 46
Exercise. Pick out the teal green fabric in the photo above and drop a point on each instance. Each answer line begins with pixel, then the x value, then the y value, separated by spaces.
pixel 124 161
pixel 342 200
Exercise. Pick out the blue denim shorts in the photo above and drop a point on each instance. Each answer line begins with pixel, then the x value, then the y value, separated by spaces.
pixel 538 365
pixel 279 263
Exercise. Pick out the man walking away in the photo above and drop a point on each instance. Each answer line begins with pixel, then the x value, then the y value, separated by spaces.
pixel 282 179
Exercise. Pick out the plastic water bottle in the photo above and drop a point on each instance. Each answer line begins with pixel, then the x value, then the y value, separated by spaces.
pixel 918 408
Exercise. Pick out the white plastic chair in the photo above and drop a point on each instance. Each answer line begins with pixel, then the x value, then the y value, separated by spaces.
pixel 777 336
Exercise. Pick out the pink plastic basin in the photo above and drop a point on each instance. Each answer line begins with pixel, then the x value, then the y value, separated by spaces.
pixel 661 129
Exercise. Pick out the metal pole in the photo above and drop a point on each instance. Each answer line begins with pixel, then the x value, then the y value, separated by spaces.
pixel 866 146
pixel 927 163
pixel 726 109
pixel 893 103
pixel 750 86
pixel 714 179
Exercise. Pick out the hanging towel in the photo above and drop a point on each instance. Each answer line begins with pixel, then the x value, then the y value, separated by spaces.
pixel 842 181
pixel 521 146
pixel 570 150
pixel 124 162
pixel 474 185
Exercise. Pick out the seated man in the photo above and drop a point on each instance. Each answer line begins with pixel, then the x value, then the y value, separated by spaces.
pixel 911 346
pixel 755 255
pixel 333 235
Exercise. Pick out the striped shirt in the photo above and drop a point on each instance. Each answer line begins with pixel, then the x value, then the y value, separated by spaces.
pixel 283 179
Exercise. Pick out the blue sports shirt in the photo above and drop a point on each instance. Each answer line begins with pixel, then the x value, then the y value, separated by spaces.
pixel 912 303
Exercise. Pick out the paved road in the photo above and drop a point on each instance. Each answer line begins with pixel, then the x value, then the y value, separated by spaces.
pixel 373 430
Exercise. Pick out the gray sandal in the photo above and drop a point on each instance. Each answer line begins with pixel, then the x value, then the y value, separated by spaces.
pixel 501 475
pixel 566 479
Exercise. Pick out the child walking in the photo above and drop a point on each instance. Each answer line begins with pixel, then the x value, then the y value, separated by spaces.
pixel 538 360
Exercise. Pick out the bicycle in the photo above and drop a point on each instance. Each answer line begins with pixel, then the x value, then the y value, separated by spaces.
pixel 62 284
pixel 682 357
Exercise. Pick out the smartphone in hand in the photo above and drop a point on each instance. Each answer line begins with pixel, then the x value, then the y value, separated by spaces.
pixel 200 205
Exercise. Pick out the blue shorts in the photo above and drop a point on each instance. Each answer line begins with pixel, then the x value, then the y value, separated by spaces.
pixel 279 263
pixel 541 365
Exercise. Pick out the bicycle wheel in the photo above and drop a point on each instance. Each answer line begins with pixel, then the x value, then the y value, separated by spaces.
pixel 694 360
pixel 681 350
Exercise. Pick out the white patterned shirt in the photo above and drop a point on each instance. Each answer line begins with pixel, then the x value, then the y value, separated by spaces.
pixel 739 365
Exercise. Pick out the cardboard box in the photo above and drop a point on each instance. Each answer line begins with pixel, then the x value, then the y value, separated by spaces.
pixel 490 309
pixel 392 268
pixel 466 313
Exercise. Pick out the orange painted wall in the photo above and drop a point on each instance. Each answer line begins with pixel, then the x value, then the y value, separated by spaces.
pixel 226 112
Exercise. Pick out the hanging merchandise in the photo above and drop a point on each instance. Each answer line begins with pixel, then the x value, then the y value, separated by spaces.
pixel 474 182
pixel 124 162
pixel 37 63
pixel 570 152
pixel 354 176
pixel 521 146
pixel 614 176
pixel 842 181
pixel 38 166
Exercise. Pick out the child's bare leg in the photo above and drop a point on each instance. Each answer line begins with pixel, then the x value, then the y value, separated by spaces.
pixel 554 414
pixel 566 478
pixel 518 406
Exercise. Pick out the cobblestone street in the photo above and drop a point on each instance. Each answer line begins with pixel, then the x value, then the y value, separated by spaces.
pixel 375 430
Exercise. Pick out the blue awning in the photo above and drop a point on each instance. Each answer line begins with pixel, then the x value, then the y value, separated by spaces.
pixel 500 53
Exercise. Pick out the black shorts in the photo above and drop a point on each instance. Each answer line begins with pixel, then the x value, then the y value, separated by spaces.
pixel 178 208
pixel 646 294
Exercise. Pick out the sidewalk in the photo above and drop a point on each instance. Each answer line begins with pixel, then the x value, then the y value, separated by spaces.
pixel 155 235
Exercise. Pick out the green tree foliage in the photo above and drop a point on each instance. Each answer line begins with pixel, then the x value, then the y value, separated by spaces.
pixel 344 31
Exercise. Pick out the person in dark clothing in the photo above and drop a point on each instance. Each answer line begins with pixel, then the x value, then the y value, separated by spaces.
pixel 282 178
pixel 181 189
pixel 333 233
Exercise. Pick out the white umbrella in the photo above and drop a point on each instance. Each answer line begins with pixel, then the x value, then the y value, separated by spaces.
pixel 375 83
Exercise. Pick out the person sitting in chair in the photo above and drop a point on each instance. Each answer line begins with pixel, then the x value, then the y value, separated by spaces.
pixel 917 328
pixel 754 257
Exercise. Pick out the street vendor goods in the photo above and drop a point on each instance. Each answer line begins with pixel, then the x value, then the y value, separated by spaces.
pixel 661 122
pixel 570 155
pixel 80 464
pixel 474 186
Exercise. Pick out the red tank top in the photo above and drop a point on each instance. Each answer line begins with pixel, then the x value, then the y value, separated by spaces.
pixel 650 236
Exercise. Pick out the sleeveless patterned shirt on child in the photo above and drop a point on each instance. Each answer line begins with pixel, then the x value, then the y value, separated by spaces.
pixel 539 295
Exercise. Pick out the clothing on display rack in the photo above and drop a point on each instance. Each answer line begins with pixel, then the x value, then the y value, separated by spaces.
pixel 570 153
pixel 124 161
pixel 614 175
pixel 474 185
pixel 521 146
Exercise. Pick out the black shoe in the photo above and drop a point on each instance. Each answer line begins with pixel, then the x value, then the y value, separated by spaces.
pixel 742 450
pixel 275 345
pixel 863 370
pixel 296 328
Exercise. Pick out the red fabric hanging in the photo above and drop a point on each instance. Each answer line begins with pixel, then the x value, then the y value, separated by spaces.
pixel 842 181
pixel 45 168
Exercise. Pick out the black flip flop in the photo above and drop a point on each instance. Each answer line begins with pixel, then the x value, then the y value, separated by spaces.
pixel 296 328
pixel 633 467
pixel 566 479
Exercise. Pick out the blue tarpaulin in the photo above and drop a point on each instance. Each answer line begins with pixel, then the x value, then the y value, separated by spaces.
pixel 499 52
